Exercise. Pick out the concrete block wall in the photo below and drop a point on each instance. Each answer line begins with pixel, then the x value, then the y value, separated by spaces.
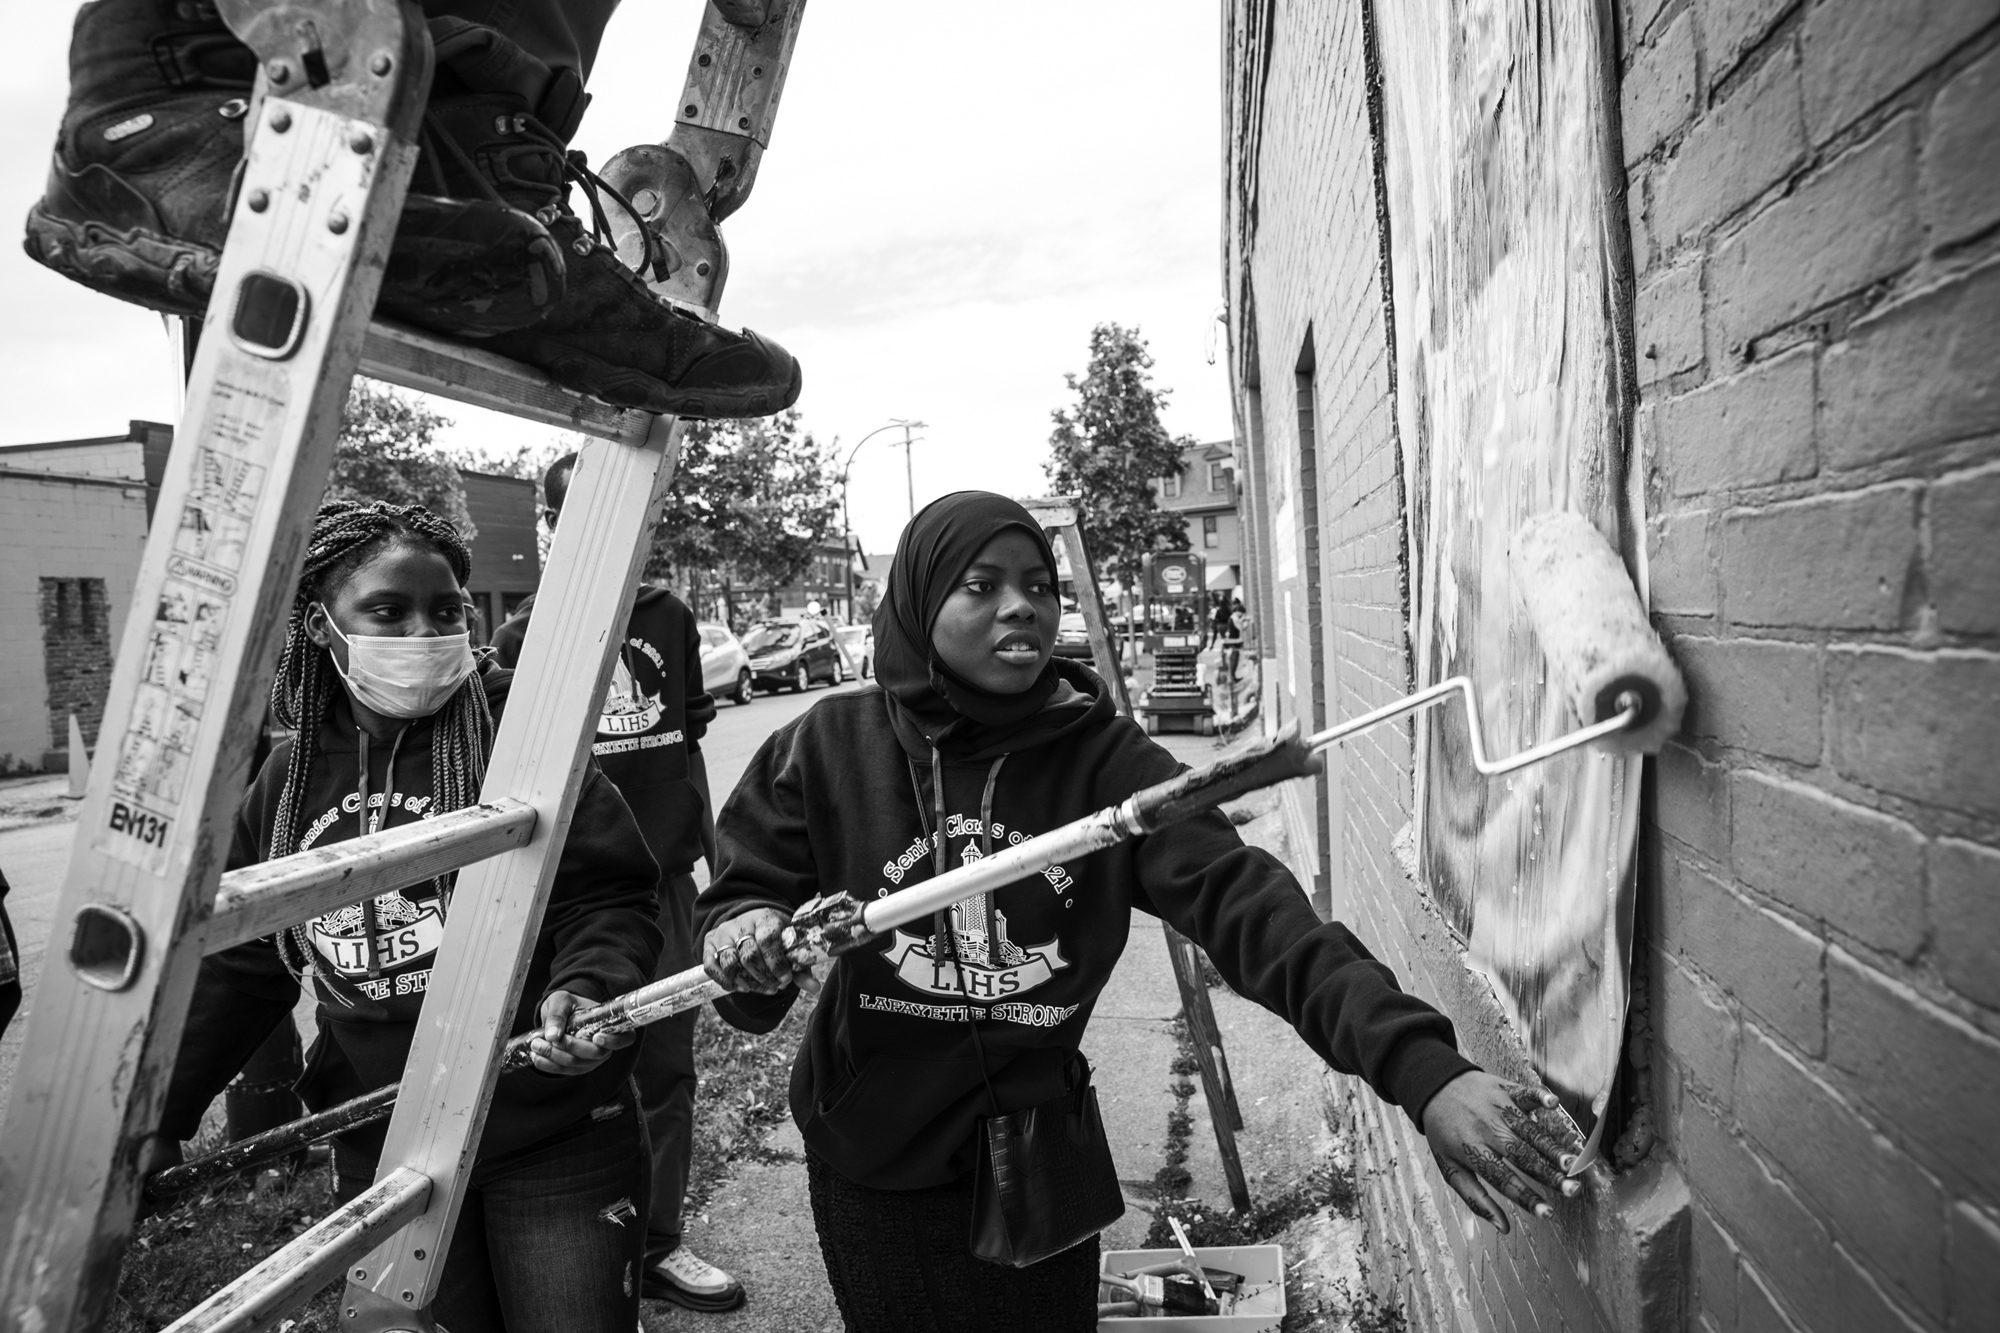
pixel 1815 204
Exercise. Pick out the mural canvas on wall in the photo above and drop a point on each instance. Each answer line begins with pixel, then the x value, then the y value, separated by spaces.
pixel 1506 261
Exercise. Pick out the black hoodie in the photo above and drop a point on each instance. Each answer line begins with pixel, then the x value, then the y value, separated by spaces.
pixel 886 1086
pixel 887 1083
pixel 598 939
pixel 653 719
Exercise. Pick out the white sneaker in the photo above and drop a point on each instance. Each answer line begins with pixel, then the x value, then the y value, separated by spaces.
pixel 691 1282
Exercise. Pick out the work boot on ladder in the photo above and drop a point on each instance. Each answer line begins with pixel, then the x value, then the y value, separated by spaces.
pixel 744 13
pixel 144 180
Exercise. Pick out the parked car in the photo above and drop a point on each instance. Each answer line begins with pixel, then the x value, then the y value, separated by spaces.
pixel 858 642
pixel 725 667
pixel 1072 638
pixel 792 654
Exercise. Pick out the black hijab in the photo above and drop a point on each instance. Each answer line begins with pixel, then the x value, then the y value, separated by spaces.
pixel 935 549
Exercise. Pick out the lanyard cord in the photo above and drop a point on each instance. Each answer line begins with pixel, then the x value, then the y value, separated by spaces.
pixel 373 824
pixel 941 931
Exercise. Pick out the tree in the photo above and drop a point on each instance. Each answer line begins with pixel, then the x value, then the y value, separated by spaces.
pixel 386 452
pixel 751 503
pixel 1108 448
pixel 867 596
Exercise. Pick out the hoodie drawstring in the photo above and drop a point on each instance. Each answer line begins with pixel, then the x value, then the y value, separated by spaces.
pixel 941 920
pixel 373 824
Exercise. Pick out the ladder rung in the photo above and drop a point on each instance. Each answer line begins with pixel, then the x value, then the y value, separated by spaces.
pixel 289 1278
pixel 271 895
pixel 414 359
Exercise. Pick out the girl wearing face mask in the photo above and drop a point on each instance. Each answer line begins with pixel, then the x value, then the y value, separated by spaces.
pixel 395 718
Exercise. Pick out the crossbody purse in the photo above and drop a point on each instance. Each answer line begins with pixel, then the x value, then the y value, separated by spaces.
pixel 1043 1180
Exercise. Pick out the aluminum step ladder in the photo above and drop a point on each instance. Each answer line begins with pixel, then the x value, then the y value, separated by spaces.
pixel 1059 518
pixel 339 99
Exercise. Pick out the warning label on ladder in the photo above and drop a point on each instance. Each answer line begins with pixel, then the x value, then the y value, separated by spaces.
pixel 190 615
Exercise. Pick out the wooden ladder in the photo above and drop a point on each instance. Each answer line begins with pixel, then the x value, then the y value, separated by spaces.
pixel 339 99
pixel 1058 516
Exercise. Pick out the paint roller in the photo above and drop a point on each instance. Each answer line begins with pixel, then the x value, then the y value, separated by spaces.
pixel 1593 631
pixel 1605 657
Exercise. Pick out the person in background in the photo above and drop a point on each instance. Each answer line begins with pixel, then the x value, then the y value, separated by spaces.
pixel 10 964
pixel 649 745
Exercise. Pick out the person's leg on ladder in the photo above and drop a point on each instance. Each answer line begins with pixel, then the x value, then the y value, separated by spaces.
pixel 488 247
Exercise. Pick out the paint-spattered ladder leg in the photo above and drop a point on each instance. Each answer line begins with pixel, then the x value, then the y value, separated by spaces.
pixel 318 205
pixel 608 518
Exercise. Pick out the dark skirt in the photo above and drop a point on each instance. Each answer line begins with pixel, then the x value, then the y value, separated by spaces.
pixel 900 1261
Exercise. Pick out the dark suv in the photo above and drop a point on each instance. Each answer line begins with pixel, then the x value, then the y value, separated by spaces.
pixel 792 654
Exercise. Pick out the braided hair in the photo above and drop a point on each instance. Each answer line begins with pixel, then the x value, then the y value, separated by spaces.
pixel 345 534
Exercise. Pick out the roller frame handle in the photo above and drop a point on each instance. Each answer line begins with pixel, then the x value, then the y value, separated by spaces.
pixel 822 928
pixel 1265 764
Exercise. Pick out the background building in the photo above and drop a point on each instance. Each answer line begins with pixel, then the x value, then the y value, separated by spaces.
pixel 824 580
pixel 1765 239
pixel 506 564
pixel 75 514
pixel 1205 494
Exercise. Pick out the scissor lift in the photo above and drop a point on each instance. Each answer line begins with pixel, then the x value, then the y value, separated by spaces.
pixel 339 98
pixel 1177 700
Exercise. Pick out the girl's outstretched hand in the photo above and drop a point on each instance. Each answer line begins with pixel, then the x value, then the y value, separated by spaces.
pixel 554 1051
pixel 747 953
pixel 1485 1131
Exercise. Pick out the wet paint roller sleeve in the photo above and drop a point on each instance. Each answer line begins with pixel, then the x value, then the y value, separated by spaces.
pixel 1593 630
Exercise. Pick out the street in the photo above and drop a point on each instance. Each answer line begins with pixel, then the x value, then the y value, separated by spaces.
pixel 33 856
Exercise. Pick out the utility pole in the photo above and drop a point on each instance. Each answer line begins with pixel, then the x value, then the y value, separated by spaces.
pixel 846 523
pixel 909 468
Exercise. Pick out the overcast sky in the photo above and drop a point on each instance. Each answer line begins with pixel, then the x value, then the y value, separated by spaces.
pixel 946 209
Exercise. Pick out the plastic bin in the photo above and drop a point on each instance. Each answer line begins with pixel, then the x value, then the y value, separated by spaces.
pixel 1263 1270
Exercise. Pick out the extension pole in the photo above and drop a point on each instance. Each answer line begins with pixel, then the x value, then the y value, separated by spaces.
pixel 1594 634
pixel 829 927
pixel 822 928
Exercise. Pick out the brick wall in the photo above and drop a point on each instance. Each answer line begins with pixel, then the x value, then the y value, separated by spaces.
pixel 1815 191
pixel 1315 273
pixel 1815 226
pixel 76 655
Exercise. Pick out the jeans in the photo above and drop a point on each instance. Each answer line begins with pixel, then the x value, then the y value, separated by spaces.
pixel 665 1074
pixel 549 1239
pixel 564 34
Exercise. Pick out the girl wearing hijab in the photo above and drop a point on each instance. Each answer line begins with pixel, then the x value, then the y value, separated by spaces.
pixel 975 737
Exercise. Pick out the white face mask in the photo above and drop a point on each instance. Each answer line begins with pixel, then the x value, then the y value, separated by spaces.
pixel 404 676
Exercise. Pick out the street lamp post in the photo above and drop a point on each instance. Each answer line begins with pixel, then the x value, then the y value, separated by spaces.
pixel 846 521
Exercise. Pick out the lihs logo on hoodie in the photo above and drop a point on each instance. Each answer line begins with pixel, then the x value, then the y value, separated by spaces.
pixel 405 932
pixel 982 964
